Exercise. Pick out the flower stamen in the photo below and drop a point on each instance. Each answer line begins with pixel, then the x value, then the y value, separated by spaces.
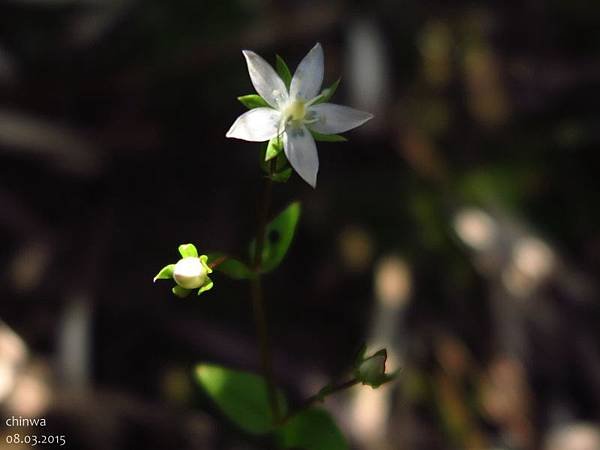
pixel 295 111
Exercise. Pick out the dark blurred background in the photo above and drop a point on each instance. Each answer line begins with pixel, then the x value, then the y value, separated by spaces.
pixel 458 229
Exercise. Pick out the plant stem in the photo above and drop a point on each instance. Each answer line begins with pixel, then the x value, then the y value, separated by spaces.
pixel 217 262
pixel 260 318
pixel 320 396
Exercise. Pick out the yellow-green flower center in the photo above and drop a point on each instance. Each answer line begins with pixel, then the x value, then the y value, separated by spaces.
pixel 295 111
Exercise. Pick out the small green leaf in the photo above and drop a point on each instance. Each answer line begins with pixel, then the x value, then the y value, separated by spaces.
pixel 283 70
pixel 188 250
pixel 313 429
pixel 274 148
pixel 278 237
pixel 181 292
pixel 326 94
pixel 241 396
pixel 252 101
pixel 166 273
pixel 328 137
pixel 232 267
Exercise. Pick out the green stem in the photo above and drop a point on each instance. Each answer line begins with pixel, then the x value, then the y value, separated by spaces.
pixel 320 396
pixel 260 318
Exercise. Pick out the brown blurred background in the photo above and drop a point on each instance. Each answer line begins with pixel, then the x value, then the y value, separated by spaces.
pixel 459 228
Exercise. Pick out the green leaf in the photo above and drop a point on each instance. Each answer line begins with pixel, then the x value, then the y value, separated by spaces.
pixel 278 237
pixel 328 137
pixel 313 429
pixel 283 70
pixel 326 94
pixel 188 250
pixel 232 267
pixel 166 273
pixel 274 148
pixel 252 101
pixel 181 292
pixel 241 396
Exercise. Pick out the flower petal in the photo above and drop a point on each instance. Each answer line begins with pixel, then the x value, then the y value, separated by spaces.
pixel 335 119
pixel 301 152
pixel 308 77
pixel 256 125
pixel 265 80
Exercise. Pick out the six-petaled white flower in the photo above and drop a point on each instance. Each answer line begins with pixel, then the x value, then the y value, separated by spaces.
pixel 293 114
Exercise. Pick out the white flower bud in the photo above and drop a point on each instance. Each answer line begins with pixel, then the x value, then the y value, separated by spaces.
pixel 371 370
pixel 190 273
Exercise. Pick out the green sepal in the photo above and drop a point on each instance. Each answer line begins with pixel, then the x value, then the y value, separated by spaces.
pixel 283 176
pixel 327 93
pixel 166 273
pixel 277 168
pixel 188 250
pixel 386 379
pixel 283 70
pixel 206 286
pixel 283 228
pixel 312 429
pixel 319 137
pixel 181 292
pixel 241 396
pixel 204 262
pixel 281 163
pixel 274 148
pixel 252 101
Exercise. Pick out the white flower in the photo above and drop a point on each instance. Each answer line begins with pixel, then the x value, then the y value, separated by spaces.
pixel 294 114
